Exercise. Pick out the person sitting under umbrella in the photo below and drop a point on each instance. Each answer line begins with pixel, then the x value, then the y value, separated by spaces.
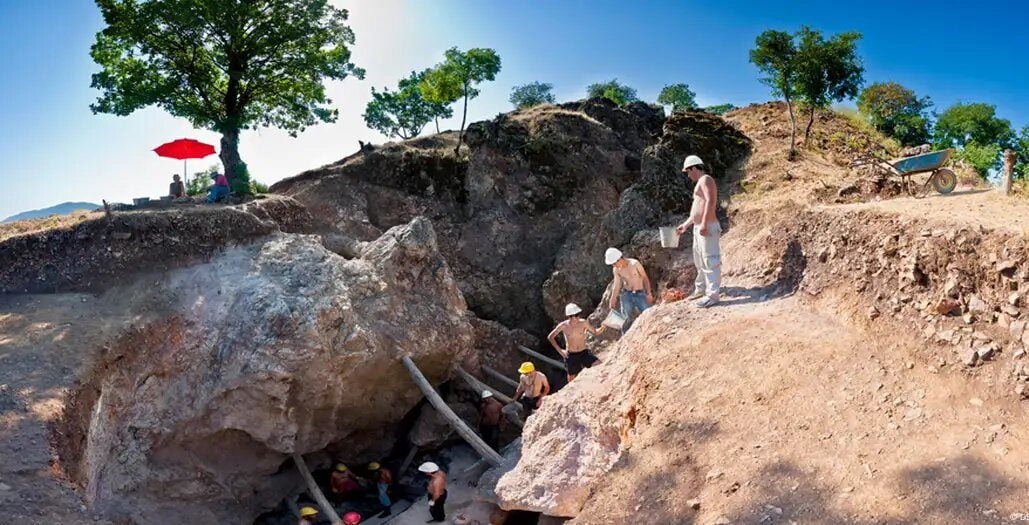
pixel 176 189
pixel 220 189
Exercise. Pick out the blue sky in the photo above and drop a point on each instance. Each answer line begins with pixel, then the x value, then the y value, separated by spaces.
pixel 55 150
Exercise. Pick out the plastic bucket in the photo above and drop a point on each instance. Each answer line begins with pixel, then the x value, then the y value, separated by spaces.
pixel 614 319
pixel 669 237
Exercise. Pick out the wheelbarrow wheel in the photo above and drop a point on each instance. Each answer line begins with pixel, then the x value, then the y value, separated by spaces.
pixel 944 181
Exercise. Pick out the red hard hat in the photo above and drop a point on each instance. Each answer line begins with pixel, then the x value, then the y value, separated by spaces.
pixel 351 518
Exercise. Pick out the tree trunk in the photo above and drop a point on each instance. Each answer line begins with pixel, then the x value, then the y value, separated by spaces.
pixel 810 121
pixel 448 414
pixel 229 156
pixel 316 492
pixel 793 130
pixel 437 124
pixel 464 117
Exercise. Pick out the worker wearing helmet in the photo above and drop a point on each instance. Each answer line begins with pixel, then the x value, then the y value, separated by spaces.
pixel 630 286
pixel 307 516
pixel 437 491
pixel 532 386
pixel 574 329
pixel 491 413
pixel 351 518
pixel 343 484
pixel 707 232
pixel 383 479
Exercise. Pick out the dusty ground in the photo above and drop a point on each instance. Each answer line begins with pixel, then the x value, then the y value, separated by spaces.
pixel 965 206
pixel 43 342
pixel 787 410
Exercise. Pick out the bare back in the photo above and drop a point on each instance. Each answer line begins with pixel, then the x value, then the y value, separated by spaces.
pixel 492 411
pixel 437 484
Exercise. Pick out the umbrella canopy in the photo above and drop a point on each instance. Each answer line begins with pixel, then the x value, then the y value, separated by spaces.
pixel 183 149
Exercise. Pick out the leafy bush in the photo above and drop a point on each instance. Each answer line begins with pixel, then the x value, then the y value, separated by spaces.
pixel 720 109
pixel 533 94
pixel 618 93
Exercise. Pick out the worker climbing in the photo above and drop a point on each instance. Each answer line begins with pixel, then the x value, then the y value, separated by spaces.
pixel 630 287
pixel 491 415
pixel 532 387
pixel 574 329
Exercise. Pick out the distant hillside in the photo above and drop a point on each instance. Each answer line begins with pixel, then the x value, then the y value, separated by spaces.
pixel 61 209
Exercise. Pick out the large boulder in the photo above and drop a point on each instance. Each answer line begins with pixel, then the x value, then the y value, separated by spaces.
pixel 268 349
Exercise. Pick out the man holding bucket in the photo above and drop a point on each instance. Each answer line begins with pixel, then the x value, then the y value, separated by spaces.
pixel 631 287
pixel 707 255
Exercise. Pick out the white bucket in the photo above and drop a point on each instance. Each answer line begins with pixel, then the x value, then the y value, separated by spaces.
pixel 614 319
pixel 669 237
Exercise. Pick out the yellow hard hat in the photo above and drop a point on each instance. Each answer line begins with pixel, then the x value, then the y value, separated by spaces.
pixel 374 466
pixel 308 511
pixel 527 368
pixel 341 467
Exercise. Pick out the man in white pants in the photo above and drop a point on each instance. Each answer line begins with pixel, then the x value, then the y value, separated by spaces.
pixel 707 256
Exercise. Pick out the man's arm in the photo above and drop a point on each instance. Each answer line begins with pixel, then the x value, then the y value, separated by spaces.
pixel 681 229
pixel 552 337
pixel 546 386
pixel 520 390
pixel 594 331
pixel 646 282
pixel 616 288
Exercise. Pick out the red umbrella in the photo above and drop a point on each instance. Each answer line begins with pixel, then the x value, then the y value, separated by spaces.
pixel 183 149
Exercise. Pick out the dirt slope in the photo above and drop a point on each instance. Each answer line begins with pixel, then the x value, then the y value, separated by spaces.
pixel 826 389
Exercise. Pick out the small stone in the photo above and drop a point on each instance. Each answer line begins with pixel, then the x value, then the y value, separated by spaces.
pixel 694 504
pixel 971 358
pixel 121 236
pixel 976 402
pixel 873 312
pixel 952 288
pixel 1022 391
pixel 4 487
pixel 968 318
pixel 1017 328
pixel 977 305
pixel 1014 298
pixel 1019 352
pixel 722 520
pixel 946 306
pixel 905 298
pixel 823 255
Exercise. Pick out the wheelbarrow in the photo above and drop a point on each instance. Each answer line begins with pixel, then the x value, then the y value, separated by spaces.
pixel 942 179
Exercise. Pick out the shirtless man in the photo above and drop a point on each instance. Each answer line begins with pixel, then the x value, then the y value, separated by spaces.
pixel 575 353
pixel 532 386
pixel 437 491
pixel 631 288
pixel 490 415
pixel 707 255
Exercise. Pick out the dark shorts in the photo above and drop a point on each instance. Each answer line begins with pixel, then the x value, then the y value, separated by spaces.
pixel 578 360
pixel 529 404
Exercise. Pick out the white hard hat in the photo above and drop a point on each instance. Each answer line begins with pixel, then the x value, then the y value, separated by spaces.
pixel 486 394
pixel 691 161
pixel 612 255
pixel 572 309
pixel 428 467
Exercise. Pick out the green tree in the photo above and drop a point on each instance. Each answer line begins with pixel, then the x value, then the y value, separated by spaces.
pixel 976 132
pixel 224 65
pixel 533 94
pixel 827 71
pixel 456 77
pixel 679 96
pixel 775 55
pixel 404 113
pixel 1021 147
pixel 618 93
pixel 896 111
pixel 720 109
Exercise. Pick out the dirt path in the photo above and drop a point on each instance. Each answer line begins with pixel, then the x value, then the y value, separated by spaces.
pixel 42 347
pixel 986 207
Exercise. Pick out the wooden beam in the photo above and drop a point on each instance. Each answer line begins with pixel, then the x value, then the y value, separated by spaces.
pixel 500 377
pixel 455 422
pixel 479 386
pixel 316 492
pixel 532 353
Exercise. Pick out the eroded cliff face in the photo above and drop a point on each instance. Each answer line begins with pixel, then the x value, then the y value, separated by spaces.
pixel 524 219
pixel 271 348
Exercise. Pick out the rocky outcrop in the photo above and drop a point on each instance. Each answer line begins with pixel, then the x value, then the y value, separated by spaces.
pixel 272 348
pixel 525 218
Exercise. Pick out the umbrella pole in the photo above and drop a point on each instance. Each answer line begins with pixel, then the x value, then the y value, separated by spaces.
pixel 185 178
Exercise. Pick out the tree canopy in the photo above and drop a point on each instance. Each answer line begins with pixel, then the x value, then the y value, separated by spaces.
pixel 719 109
pixel 976 122
pixel 679 96
pixel 828 70
pixel 806 67
pixel 403 113
pixel 532 94
pixel 1021 147
pixel 896 111
pixel 618 93
pixel 456 77
pixel 224 65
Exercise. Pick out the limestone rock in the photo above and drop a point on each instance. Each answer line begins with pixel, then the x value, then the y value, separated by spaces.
pixel 977 305
pixel 270 348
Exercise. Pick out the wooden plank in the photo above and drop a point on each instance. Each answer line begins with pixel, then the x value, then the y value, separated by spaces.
pixel 500 377
pixel 316 492
pixel 455 422
pixel 479 386
pixel 541 357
